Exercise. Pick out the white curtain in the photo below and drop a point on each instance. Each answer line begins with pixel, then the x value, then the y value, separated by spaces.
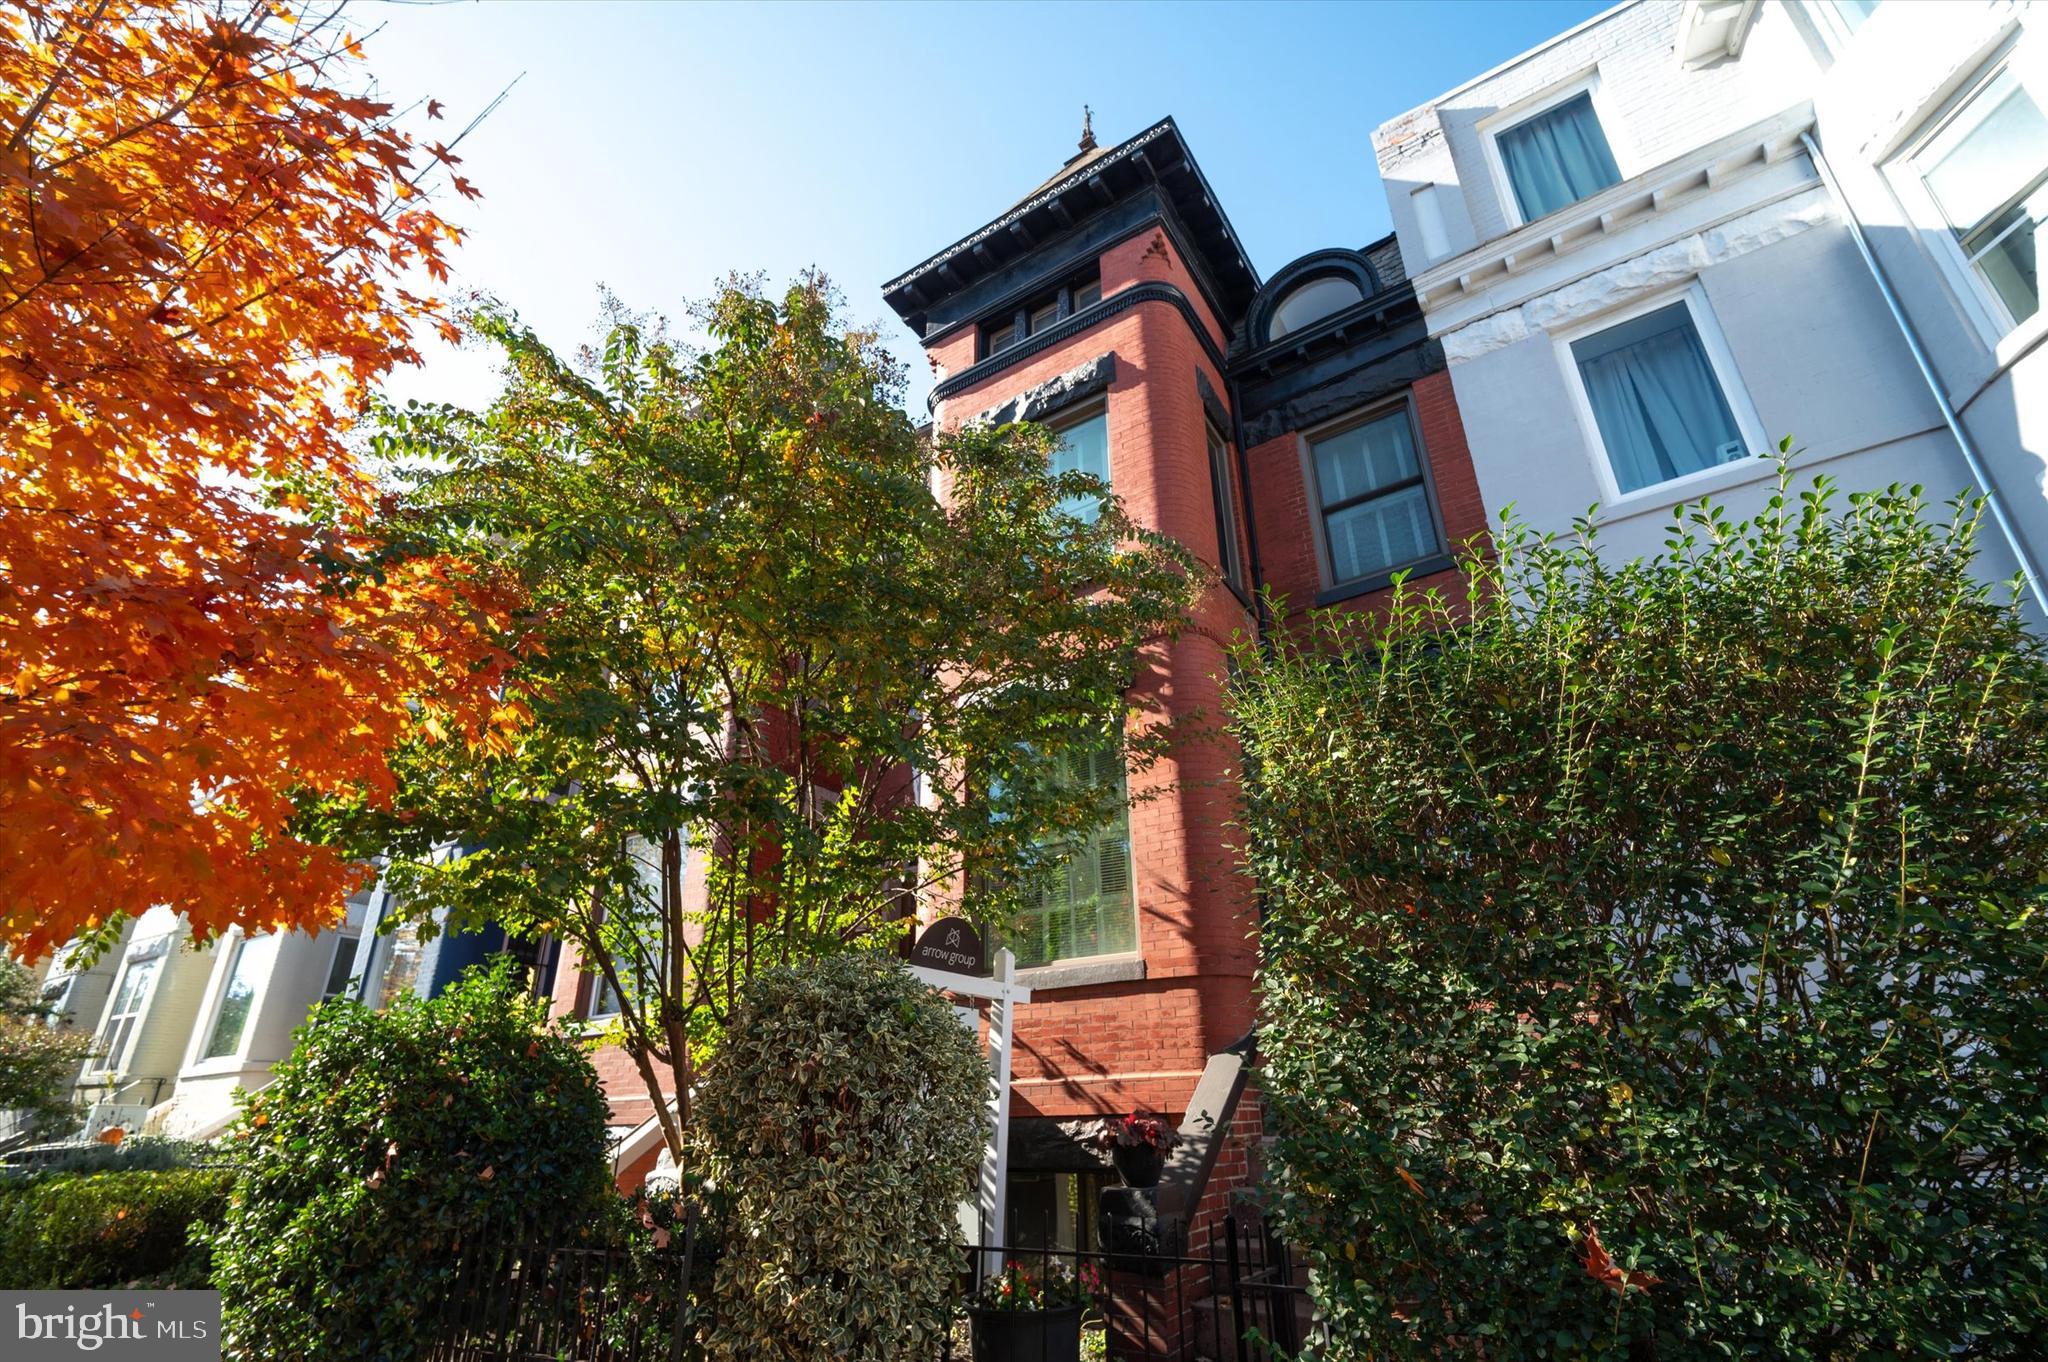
pixel 1557 158
pixel 1660 411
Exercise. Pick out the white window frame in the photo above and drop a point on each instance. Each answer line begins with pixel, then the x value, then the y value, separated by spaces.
pixel 1834 30
pixel 202 1039
pixel 1980 304
pixel 1514 115
pixel 111 1062
pixel 1720 359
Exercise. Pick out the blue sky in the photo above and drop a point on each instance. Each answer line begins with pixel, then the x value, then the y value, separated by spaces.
pixel 652 148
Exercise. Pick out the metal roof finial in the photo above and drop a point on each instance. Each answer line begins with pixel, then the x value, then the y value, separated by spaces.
pixel 1087 128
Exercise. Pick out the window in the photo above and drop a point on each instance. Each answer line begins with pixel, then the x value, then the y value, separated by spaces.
pixel 1656 400
pixel 1986 171
pixel 129 997
pixel 1557 157
pixel 1375 500
pixel 1850 14
pixel 246 973
pixel 1429 222
pixel 341 968
pixel 604 999
pixel 1086 906
pixel 1313 301
pixel 1084 448
pixel 1040 313
pixel 55 999
pixel 398 972
pixel 1224 486
pixel 636 958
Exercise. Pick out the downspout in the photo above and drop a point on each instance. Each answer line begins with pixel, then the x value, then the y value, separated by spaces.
pixel 1971 455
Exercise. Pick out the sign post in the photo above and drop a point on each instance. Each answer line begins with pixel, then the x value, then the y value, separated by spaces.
pixel 947 957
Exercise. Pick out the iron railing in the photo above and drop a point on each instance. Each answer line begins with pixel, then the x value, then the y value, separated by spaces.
pixel 566 1297
pixel 1238 1299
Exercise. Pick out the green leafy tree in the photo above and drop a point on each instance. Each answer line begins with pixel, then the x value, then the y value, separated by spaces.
pixel 1654 954
pixel 752 618
pixel 841 1123
pixel 386 1142
pixel 37 1061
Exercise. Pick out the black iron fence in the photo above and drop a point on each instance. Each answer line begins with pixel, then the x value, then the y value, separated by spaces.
pixel 566 1297
pixel 572 1296
pixel 1239 1298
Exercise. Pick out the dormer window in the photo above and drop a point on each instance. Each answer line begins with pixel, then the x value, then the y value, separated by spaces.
pixel 1313 301
pixel 1039 313
pixel 1556 156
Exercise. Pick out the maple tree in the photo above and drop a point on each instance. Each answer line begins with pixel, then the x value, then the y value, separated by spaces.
pixel 207 229
pixel 755 620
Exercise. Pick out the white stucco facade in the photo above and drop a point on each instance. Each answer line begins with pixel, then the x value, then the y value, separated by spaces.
pixel 1706 106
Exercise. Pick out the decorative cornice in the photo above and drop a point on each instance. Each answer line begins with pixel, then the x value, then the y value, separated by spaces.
pixel 1054 395
pixel 1713 166
pixel 1123 151
pixel 1165 219
pixel 1151 291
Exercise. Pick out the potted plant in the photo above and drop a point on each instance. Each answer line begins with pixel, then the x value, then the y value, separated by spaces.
pixel 1137 1145
pixel 1024 1314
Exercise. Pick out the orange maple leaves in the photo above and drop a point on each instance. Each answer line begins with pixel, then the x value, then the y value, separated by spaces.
pixel 202 269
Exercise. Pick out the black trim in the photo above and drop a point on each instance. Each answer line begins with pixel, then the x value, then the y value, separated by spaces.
pixel 1335 263
pixel 1089 238
pixel 1154 163
pixel 1151 291
pixel 1380 581
pixel 1219 415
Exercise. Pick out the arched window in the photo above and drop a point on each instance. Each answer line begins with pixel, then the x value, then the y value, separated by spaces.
pixel 1313 301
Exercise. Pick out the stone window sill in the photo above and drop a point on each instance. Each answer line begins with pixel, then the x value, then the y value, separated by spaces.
pixel 1380 581
pixel 1084 973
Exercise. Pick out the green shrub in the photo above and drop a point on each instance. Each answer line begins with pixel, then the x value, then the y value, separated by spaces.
pixel 1688 912
pixel 382 1145
pixel 79 1231
pixel 841 1123
pixel 140 1152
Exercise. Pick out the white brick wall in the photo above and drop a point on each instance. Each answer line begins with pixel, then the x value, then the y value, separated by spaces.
pixel 1651 107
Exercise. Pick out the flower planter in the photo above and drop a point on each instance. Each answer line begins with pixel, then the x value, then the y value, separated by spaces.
pixel 1027 1335
pixel 1138 1165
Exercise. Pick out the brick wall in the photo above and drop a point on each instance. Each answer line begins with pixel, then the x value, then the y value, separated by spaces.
pixel 1111 1047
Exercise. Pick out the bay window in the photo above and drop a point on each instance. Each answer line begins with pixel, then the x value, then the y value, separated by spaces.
pixel 1084 448
pixel 1086 906
pixel 1224 487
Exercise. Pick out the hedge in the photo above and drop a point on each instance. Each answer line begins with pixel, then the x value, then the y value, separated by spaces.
pixel 386 1143
pixel 1653 957
pixel 76 1231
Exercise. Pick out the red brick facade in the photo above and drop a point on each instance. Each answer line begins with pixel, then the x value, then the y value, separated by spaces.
pixel 1123 1034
